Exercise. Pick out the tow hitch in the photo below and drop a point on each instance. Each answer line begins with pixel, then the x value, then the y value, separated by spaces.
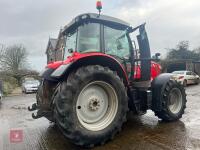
pixel 34 107
pixel 40 113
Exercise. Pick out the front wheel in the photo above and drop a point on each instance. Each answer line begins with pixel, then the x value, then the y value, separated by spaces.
pixel 197 81
pixel 185 83
pixel 25 91
pixel 173 102
pixel 91 106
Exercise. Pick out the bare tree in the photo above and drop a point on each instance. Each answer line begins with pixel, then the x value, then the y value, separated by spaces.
pixel 182 52
pixel 13 58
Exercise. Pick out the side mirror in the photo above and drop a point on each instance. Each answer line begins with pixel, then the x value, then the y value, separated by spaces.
pixel 119 47
pixel 119 44
pixel 157 55
pixel 70 50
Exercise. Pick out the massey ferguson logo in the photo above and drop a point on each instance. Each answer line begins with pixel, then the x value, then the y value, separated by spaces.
pixel 16 136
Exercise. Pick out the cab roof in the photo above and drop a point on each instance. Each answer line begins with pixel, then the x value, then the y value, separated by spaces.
pixel 95 18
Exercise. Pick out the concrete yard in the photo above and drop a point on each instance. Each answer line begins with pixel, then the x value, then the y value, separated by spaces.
pixel 138 133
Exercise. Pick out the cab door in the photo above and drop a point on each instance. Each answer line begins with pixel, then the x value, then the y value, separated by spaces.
pixel 116 44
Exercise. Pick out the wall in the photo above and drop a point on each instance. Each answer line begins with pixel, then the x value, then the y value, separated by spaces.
pixel 197 68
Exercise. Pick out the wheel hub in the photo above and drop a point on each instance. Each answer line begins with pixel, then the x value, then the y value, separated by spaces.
pixel 94 104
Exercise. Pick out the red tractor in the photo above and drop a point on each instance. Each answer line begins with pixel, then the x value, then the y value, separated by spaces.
pixel 89 93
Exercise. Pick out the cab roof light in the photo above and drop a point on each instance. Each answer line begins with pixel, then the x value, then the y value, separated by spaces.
pixel 99 6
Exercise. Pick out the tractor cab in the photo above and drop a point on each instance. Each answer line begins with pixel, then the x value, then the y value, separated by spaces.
pixel 94 33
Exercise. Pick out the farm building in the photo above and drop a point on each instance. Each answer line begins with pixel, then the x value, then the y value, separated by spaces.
pixel 55 48
pixel 182 65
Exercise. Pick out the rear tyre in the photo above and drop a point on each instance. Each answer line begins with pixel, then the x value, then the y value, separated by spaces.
pixel 91 106
pixel 197 81
pixel 173 103
pixel 185 83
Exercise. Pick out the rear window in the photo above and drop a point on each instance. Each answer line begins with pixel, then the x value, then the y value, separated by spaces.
pixel 32 82
pixel 188 73
pixel 178 72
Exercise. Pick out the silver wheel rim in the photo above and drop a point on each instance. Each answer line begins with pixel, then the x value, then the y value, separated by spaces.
pixel 97 105
pixel 175 100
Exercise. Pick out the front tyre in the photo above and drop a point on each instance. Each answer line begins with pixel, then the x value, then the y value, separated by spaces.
pixel 197 81
pixel 185 83
pixel 25 91
pixel 173 102
pixel 91 106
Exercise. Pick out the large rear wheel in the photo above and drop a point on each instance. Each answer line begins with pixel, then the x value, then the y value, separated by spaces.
pixel 91 106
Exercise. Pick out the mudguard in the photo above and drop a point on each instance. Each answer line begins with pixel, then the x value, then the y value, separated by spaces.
pixel 60 71
pixel 158 85
pixel 57 74
pixel 46 74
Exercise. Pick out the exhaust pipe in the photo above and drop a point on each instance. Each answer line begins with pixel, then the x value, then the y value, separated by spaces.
pixel 39 114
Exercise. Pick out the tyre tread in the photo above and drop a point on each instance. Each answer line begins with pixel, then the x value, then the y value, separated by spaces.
pixel 63 106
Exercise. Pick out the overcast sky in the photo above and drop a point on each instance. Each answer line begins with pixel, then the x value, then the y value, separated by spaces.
pixel 32 22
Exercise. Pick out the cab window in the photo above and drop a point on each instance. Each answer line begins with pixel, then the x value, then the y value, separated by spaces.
pixel 70 43
pixel 188 73
pixel 88 39
pixel 116 42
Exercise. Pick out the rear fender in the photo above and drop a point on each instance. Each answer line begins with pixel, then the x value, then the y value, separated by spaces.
pixel 46 75
pixel 107 61
pixel 158 85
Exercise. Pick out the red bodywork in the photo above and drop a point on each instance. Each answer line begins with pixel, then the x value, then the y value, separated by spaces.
pixel 76 56
pixel 155 67
pixel 155 70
